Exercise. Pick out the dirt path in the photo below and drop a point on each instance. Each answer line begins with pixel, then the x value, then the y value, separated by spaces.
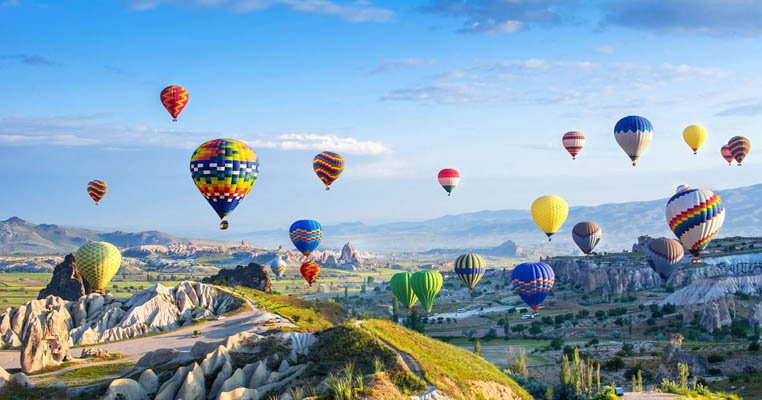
pixel 648 396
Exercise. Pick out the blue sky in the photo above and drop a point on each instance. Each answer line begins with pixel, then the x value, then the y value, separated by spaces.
pixel 400 88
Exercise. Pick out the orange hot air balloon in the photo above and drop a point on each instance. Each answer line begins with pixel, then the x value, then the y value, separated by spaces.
pixel 726 154
pixel 310 271
pixel 174 98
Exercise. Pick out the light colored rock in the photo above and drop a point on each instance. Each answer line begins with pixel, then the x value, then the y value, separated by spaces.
pixel 706 290
pixel 609 278
pixel 284 365
pixel 12 339
pixel 4 377
pixel 214 361
pixel 194 385
pixel 20 378
pixel 238 379
pixel 95 302
pixel 242 341
pixel 94 352
pixel 222 376
pixel 241 393
pixel 149 381
pixel 45 337
pixel 300 342
pixel 169 389
pixel 125 389
pixel 259 376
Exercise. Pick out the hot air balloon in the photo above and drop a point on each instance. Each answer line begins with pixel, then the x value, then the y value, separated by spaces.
pixel 470 269
pixel 694 136
pixel 726 154
pixel 98 262
pixel 573 142
pixel 695 216
pixel 97 189
pixel 174 98
pixel 739 148
pixel 586 235
pixel 663 255
pixel 448 178
pixel 400 285
pixel 310 271
pixel 426 285
pixel 633 133
pixel 278 266
pixel 549 213
pixel 532 282
pixel 306 235
pixel 328 166
pixel 224 171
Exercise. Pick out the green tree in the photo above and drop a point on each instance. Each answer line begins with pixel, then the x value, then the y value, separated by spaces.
pixel 566 377
pixel 346 292
pixel 684 373
pixel 362 288
pixel 507 326
pixel 549 393
pixel 576 372
pixel 478 348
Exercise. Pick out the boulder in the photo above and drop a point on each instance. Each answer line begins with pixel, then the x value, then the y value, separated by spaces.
pixel 45 338
pixel 66 282
pixel 194 385
pixel 20 379
pixel 149 381
pixel 90 352
pixel 4 377
pixel 125 389
pixel 253 275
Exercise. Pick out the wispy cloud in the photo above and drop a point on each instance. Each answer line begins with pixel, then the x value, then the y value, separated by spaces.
pixel 744 110
pixel 29 59
pixel 400 64
pixel 604 49
pixel 495 17
pixel 357 11
pixel 313 141
pixel 10 3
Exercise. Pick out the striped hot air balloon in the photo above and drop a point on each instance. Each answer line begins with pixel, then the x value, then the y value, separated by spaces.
pixel 549 213
pixel 306 235
pixel 278 266
pixel 633 133
pixel 448 178
pixel 573 142
pixel 426 285
pixel 663 255
pixel 739 148
pixel 310 271
pixel 470 269
pixel 532 282
pixel 328 166
pixel 97 189
pixel 695 216
pixel 586 235
pixel 98 262
pixel 726 154
pixel 174 98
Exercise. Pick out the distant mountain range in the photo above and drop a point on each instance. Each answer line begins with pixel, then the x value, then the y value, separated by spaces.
pixel 621 223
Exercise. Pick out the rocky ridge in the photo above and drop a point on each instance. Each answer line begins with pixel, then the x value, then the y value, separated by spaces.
pixel 611 278
pixel 253 275
pixel 66 282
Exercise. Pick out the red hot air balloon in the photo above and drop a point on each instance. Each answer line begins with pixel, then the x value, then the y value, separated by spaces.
pixel 573 142
pixel 726 154
pixel 739 148
pixel 174 98
pixel 448 178
pixel 310 271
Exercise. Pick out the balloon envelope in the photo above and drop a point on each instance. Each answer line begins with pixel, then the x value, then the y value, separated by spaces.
pixel 98 262
pixel 586 235
pixel 573 142
pixel 633 133
pixel 310 271
pixel 402 289
pixel 694 136
pixel 174 98
pixel 549 213
pixel 664 255
pixel 448 178
pixel 470 269
pixel 726 154
pixel 97 189
pixel 532 282
pixel 695 216
pixel 739 148
pixel 426 285
pixel 306 235
pixel 328 166
pixel 278 266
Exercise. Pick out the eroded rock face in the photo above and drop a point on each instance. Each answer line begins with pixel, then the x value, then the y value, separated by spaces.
pixel 610 278
pixel 253 275
pixel 66 282
pixel 45 336
pixel 673 354
pixel 125 389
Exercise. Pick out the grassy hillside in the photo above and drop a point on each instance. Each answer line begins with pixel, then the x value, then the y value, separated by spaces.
pixel 306 314
pixel 449 368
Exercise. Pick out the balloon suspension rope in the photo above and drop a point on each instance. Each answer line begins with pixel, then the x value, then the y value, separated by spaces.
pixel 174 119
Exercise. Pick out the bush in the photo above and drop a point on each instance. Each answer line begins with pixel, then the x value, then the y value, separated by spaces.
pixel 754 346
pixel 615 364
pixel 715 358
pixel 557 343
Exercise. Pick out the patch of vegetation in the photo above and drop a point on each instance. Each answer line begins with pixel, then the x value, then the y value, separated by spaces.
pixel 95 373
pixel 14 391
pixel 447 367
pixel 306 314
pixel 692 391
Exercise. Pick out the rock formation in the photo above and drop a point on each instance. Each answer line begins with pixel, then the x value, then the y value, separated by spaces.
pixel 610 278
pixel 253 275
pixel 349 255
pixel 125 389
pixel 712 315
pixel 687 276
pixel 66 282
pixel 706 290
pixel 45 334
pixel 673 354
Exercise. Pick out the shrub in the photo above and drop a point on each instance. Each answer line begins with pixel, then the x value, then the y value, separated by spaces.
pixel 754 346
pixel 715 358
pixel 557 343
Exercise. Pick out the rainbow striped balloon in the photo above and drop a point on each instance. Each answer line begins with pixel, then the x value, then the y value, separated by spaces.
pixel 695 216
pixel 573 142
pixel 448 178
pixel 97 189
pixel 532 282
pixel 470 269
pixel 306 235
pixel 328 166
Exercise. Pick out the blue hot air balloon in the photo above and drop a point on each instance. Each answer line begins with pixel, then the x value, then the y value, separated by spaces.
pixel 470 269
pixel 306 235
pixel 532 282
pixel 633 133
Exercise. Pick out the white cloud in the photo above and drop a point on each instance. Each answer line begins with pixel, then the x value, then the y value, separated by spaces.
pixel 604 49
pixel 312 141
pixel 10 3
pixel 401 63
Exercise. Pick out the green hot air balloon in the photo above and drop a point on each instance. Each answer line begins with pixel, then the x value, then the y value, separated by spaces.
pixel 400 284
pixel 426 285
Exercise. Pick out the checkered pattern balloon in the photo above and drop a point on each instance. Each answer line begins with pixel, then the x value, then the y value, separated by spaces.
pixel 98 262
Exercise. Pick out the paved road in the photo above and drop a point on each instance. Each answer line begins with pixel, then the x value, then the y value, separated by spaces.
pixel 648 396
pixel 251 320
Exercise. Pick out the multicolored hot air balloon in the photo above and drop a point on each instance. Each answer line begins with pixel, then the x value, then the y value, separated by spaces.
pixel 586 235
pixel 98 262
pixel 306 235
pixel 426 285
pixel 680 188
pixel 739 148
pixel 310 271
pixel 633 133
pixel 573 142
pixel 695 216
pixel 174 98
pixel 532 282
pixel 448 178
pixel 470 269
pixel 97 189
pixel 726 154
pixel 694 136
pixel 278 266
pixel 224 171
pixel 403 291
pixel 663 255
pixel 328 166
pixel 549 213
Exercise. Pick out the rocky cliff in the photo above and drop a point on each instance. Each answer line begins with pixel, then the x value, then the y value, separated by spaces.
pixel 66 282
pixel 610 278
pixel 673 354
pixel 688 274
pixel 253 275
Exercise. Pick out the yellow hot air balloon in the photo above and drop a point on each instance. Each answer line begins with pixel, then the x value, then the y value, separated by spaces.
pixel 549 213
pixel 694 136
pixel 98 262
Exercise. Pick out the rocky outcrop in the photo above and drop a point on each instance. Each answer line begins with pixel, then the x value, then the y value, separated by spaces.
pixel 349 255
pixel 66 282
pixel 712 315
pixel 253 275
pixel 149 382
pixel 125 389
pixel 94 352
pixel 706 290
pixel 673 354
pixel 45 334
pixel 610 278
pixel 711 269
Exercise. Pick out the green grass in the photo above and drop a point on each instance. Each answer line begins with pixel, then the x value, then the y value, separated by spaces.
pixel 306 314
pixel 447 367
pixel 752 386
pixel 95 373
